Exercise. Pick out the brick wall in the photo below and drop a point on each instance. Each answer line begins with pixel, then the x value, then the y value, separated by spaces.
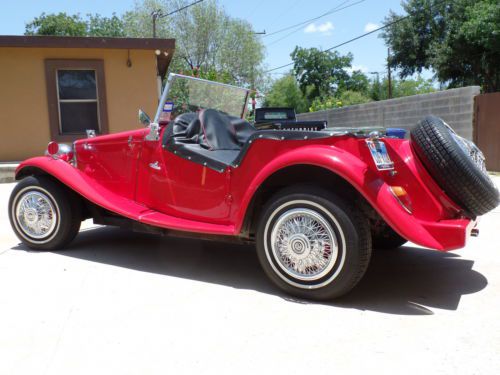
pixel 455 106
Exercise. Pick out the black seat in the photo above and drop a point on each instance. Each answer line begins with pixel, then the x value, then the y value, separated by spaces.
pixel 243 129
pixel 212 129
pixel 209 135
pixel 182 122
pixel 217 132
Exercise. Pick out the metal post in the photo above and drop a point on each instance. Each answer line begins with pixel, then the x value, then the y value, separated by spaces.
pixel 155 14
pixel 389 72
pixel 154 24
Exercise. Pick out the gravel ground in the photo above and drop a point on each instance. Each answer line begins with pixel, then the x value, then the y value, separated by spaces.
pixel 117 302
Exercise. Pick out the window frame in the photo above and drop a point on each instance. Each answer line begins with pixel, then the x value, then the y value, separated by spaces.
pixel 52 66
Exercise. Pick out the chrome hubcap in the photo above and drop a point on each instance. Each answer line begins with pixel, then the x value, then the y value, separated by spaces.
pixel 304 244
pixel 473 151
pixel 36 215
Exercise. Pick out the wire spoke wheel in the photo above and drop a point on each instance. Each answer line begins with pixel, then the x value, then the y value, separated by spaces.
pixel 36 215
pixel 43 213
pixel 304 244
pixel 312 243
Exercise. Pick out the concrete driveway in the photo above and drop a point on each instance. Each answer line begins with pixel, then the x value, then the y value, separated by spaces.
pixel 117 302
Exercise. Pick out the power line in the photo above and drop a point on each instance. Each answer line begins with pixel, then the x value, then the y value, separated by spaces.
pixel 157 14
pixel 331 11
pixel 348 41
pixel 300 26
pixel 180 9
pixel 290 8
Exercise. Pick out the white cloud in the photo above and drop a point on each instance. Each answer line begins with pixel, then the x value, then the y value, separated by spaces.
pixel 323 28
pixel 370 26
pixel 362 68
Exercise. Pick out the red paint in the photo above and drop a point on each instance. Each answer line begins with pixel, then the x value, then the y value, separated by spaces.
pixel 115 172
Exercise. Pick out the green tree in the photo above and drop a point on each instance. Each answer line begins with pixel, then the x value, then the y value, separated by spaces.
pixel 376 89
pixel 459 40
pixel 346 98
pixel 62 24
pixel 285 92
pixel 320 73
pixel 400 87
pixel 105 27
pixel 59 24
pixel 138 22
pixel 357 81
pixel 407 87
pixel 206 37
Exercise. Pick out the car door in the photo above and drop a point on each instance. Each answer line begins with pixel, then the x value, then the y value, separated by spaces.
pixel 179 187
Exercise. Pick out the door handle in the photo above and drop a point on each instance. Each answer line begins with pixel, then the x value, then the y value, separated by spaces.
pixel 155 166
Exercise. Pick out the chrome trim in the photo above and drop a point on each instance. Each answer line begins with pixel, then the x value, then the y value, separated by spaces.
pixel 164 97
pixel 154 132
pixel 340 245
pixel 35 191
pixel 400 202
pixel 472 151
pixel 64 148
pixel 168 85
pixel 155 166
pixel 304 244
pixel 74 161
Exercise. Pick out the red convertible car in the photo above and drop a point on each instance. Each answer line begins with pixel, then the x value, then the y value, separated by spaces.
pixel 315 201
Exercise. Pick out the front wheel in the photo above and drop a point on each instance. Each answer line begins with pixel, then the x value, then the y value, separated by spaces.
pixel 312 244
pixel 43 214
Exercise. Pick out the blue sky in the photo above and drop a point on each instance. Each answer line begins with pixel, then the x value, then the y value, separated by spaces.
pixel 270 15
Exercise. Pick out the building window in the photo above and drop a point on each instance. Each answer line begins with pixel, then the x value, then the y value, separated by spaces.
pixel 76 96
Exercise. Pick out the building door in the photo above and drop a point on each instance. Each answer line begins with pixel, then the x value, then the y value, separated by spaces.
pixel 487 128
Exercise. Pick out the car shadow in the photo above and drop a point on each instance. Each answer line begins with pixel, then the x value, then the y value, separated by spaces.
pixel 405 281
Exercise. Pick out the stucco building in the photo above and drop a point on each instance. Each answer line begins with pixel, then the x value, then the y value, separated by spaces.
pixel 55 88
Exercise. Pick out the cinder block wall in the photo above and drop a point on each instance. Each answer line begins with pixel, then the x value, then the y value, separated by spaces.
pixel 455 106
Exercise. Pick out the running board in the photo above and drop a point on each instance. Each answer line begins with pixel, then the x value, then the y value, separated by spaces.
pixel 157 219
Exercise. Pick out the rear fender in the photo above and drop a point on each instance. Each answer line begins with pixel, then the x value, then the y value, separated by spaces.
pixel 368 182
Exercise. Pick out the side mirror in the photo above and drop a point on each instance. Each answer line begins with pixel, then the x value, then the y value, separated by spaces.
pixel 154 132
pixel 144 118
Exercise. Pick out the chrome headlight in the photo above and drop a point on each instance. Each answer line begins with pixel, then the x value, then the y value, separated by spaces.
pixel 61 151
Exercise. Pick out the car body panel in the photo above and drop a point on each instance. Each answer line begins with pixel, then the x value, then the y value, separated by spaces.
pixel 431 219
pixel 100 195
pixel 114 172
pixel 181 188
pixel 112 160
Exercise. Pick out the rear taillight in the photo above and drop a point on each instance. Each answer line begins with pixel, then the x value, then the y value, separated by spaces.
pixel 402 197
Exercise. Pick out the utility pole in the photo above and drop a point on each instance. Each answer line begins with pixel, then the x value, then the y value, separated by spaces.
pixel 389 72
pixel 155 15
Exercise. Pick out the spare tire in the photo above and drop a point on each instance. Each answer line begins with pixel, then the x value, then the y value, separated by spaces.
pixel 456 164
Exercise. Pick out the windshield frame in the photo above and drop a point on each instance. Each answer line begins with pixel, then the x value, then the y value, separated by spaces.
pixel 170 80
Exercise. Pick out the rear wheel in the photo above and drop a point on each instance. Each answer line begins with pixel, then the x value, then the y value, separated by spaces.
pixel 43 214
pixel 312 244
pixel 384 237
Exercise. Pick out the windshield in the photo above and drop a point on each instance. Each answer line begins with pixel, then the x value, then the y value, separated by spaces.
pixel 189 94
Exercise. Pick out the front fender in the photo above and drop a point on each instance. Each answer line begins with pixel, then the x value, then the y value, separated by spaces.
pixel 80 183
pixel 442 235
